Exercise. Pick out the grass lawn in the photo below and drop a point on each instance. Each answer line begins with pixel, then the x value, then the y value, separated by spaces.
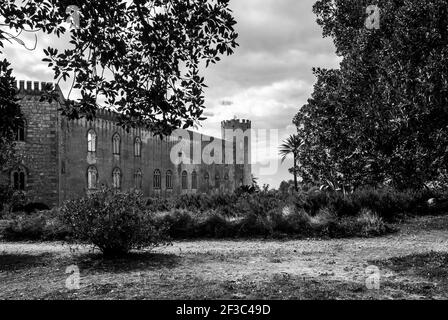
pixel 412 263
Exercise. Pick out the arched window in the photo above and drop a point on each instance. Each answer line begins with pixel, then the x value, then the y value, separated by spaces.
pixel 184 180
pixel 18 178
pixel 138 179
pixel 207 178
pixel 21 130
pixel 92 177
pixel 116 178
pixel 226 177
pixel 169 180
pixel 91 141
pixel 217 180
pixel 138 147
pixel 157 180
pixel 116 144
pixel 194 180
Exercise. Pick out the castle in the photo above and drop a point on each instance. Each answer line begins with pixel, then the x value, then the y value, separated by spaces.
pixel 64 159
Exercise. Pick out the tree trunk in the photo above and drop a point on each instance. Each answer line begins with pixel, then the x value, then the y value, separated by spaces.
pixel 296 186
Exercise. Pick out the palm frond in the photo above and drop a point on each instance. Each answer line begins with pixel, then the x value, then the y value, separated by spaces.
pixel 290 146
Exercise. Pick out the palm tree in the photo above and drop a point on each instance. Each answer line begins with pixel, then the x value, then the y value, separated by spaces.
pixel 291 146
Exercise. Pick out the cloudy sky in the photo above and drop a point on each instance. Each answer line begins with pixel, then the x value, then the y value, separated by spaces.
pixel 267 80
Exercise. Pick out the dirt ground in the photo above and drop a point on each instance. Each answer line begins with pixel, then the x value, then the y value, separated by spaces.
pixel 411 264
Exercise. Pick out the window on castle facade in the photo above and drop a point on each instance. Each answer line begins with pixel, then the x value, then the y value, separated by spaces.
pixel 92 178
pixel 20 133
pixel 91 141
pixel 138 179
pixel 169 180
pixel 157 180
pixel 138 147
pixel 116 178
pixel 194 180
pixel 226 177
pixel 184 180
pixel 207 178
pixel 18 178
pixel 116 144
pixel 217 180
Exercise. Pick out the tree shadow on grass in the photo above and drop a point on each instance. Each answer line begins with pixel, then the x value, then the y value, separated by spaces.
pixel 432 265
pixel 428 271
pixel 131 262
pixel 15 262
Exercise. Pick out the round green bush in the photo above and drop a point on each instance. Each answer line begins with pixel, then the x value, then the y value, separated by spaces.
pixel 114 222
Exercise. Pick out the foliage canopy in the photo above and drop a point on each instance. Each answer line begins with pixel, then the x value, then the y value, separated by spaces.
pixel 382 118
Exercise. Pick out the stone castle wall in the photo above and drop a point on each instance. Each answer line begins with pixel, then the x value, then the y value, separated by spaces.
pixel 155 155
pixel 40 150
pixel 56 157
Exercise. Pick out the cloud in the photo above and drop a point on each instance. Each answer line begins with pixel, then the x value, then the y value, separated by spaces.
pixel 270 75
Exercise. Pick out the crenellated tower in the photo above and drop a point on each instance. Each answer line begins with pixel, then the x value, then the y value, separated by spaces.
pixel 38 144
pixel 237 133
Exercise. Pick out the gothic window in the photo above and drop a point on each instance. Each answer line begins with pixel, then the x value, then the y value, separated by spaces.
pixel 217 180
pixel 18 177
pixel 138 147
pixel 157 180
pixel 21 129
pixel 169 180
pixel 92 177
pixel 116 144
pixel 116 178
pixel 194 180
pixel 226 177
pixel 207 178
pixel 138 179
pixel 91 141
pixel 184 180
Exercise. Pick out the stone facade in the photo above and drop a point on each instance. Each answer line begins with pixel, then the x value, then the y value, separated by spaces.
pixel 60 156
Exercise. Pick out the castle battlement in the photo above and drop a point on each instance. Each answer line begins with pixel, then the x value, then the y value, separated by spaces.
pixel 33 87
pixel 106 114
pixel 236 123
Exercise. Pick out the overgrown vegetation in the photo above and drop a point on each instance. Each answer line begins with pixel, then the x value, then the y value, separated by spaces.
pixel 44 225
pixel 119 222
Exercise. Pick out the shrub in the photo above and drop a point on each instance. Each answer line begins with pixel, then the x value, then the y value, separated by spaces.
pixel 215 225
pixel 371 224
pixel 40 226
pixel 10 198
pixel 31 207
pixel 224 203
pixel 286 221
pixel 387 203
pixel 114 222
pixel 180 224
pixel 184 224
pixel 253 225
pixel 323 218
pixel 260 203
pixel 159 204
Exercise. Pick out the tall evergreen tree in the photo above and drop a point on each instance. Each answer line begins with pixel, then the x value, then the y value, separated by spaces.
pixel 383 116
